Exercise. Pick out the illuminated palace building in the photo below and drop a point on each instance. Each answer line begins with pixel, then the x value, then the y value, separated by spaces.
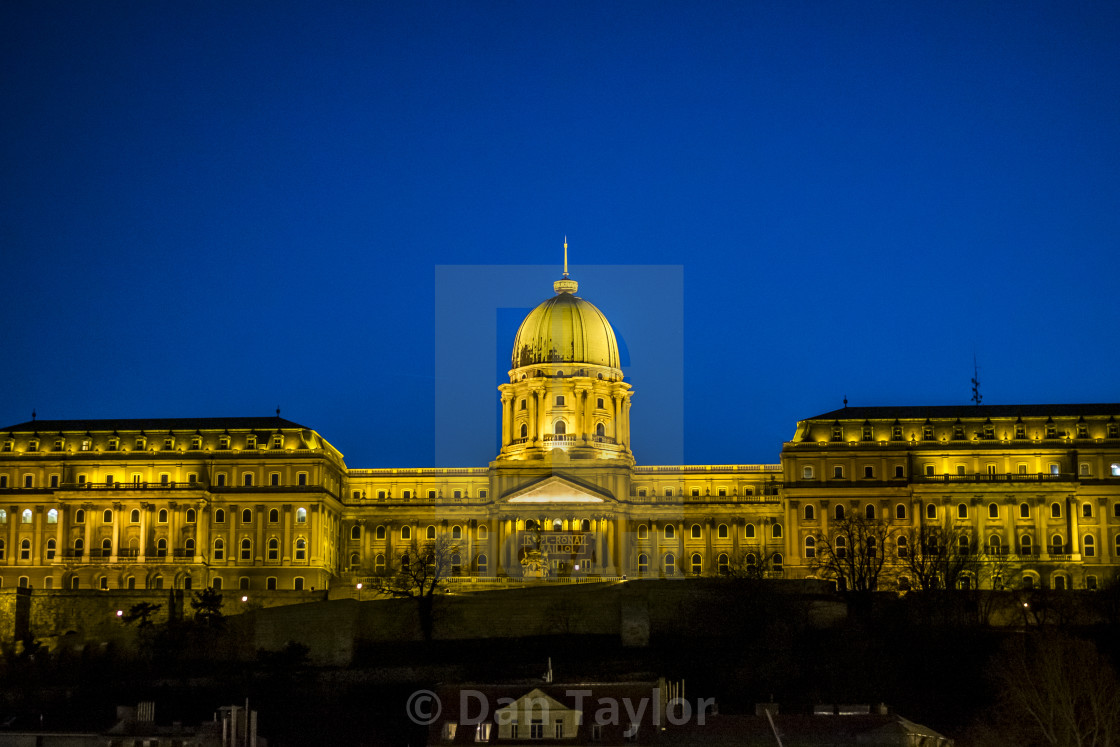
pixel 265 503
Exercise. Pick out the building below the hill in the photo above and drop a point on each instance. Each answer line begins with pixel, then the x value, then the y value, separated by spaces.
pixel 1018 494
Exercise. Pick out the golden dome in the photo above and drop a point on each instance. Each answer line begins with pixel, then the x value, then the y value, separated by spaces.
pixel 565 329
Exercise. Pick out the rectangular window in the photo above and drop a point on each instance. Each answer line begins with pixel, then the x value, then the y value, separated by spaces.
pixel 192 477
pixel 248 479
pixel 407 495
pixel 277 442
pixel 168 444
pixel 274 478
pixel 221 479
pixel 458 495
pixel 380 495
pixel 431 495
pixel 28 481
pixel 929 470
pixel 164 478
pixel 251 442
pixel 3 481
pixel 54 481
pixel 482 494
pixel 301 478
pixel 356 495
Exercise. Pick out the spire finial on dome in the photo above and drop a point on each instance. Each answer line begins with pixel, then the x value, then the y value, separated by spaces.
pixel 565 284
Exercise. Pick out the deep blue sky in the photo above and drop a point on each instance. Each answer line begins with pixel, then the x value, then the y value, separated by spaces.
pixel 211 208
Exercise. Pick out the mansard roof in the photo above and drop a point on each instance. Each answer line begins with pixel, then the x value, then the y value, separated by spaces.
pixel 153 425
pixel 943 412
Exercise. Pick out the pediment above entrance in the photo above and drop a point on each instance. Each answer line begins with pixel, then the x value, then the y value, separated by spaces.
pixel 556 489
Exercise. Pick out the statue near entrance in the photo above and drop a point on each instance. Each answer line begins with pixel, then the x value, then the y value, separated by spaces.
pixel 534 564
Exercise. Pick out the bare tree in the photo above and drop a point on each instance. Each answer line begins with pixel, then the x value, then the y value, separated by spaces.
pixel 751 564
pixel 938 556
pixel 854 553
pixel 419 573
pixel 1057 690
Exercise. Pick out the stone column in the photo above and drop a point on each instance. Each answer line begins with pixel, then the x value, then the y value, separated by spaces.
pixel 203 539
pixel 1074 525
pixel 533 429
pixel 623 528
pixel 87 536
pixel 313 550
pixel 37 543
pixel 286 552
pixel 118 519
pixel 507 418
pixel 259 517
pixel 13 545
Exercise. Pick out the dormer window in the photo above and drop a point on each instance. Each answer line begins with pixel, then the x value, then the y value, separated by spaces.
pixel 1113 430
pixel 1020 430
pixel 896 431
pixel 866 433
pixel 7 446
pixel 1082 430
pixel 278 442
pixel 958 430
pixel 113 445
pixel 1051 431
pixel 223 442
pixel 250 442
pixel 33 445
pixel 168 444
pixel 59 444
pixel 141 443
pixel 837 432
pixel 196 442
pixel 989 430
pixel 927 432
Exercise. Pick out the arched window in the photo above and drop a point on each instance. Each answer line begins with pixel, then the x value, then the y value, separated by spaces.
pixel 1024 511
pixel 52 516
pixel 903 547
pixel 1057 545
pixel 993 511
pixel 643 532
pixel 748 531
pixel 1026 545
pixel 274 549
pixel 810 513
pixel 26 516
pixel 900 511
pixel 246 549
pixel 600 430
pixel 1055 510
pixel 869 512
pixel 219 516
pixel 1087 510
pixel 161 548
pixel 356 532
pixel 406 563
pixel 482 533
pixel 931 511
pixel 839 512
pixel 273 516
pixel 301 515
pixel 524 431
pixel 107 516
pixel 50 549
pixel 297 583
pixel 301 549
pixel 840 547
pixel 219 549
pixel 585 525
pixel 1089 546
pixel 379 533
pixel 4 515
pixel 696 531
pixel 697 564
pixel 80 516
pixel 247 516
pixel 670 531
pixel 379 563
pixel 962 511
pixel 721 531
pixel 723 563
pixel 670 564
pixel 25 550
pixel 643 564
pixel 188 547
pixel 776 562
pixel 192 517
pixel 810 547
pixel 406 533
pixel 995 545
pixel 355 561
pixel 964 545
pixel 482 564
pixel 162 516
pixel 456 564
pixel 561 428
pixel 106 548
pixel 456 532
pixel 431 532
pixel 776 531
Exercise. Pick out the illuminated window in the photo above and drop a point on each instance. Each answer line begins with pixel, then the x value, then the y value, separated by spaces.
pixel 25 517
pixel 52 516
pixel 301 515
pixel 1054 469
pixel 1114 469
pixel 807 473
